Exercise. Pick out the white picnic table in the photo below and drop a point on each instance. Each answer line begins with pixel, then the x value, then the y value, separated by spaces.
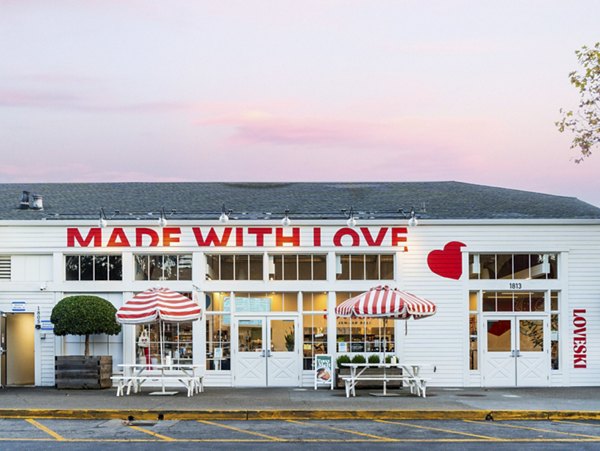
pixel 410 375
pixel 135 374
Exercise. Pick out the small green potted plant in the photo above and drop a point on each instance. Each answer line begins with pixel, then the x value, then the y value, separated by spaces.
pixel 289 340
pixel 373 358
pixel 84 315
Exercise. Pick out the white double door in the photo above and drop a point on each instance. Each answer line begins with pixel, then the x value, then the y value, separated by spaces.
pixel 516 351
pixel 265 351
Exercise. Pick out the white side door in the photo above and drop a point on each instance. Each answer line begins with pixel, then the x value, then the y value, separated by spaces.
pixel 283 358
pixel 532 351
pixel 499 369
pixel 250 369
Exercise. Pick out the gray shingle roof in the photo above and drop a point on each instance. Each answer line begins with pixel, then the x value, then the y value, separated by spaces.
pixel 442 200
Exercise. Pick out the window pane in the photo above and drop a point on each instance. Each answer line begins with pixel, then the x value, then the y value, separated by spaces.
pixel 290 302
pixel 343 271
pixel 141 267
pixel 226 267
pixel 290 267
pixel 371 267
pixel 553 263
pixel 537 267
pixel 489 301
pixel 522 302
pixel 473 301
pixel 505 266
pixel 212 267
pixel 304 267
pixel 319 267
pixel 522 266
pixel 278 263
pixel 314 339
pixel 72 267
pixel 554 300
pixel 283 335
pixel 86 263
pixel 115 267
pixel 218 349
pixel 156 272
pixel 531 335
pixel 473 342
pixel 537 301
pixel 250 336
pixel 256 267
pixel 386 267
pixel 185 267
pixel 357 267
pixel 554 354
pixel 488 266
pixel 241 267
pixel 472 273
pixel 504 302
pixel 499 335
pixel 215 302
pixel 100 267
pixel 169 267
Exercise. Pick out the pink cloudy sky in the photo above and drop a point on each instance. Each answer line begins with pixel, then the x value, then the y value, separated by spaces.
pixel 311 90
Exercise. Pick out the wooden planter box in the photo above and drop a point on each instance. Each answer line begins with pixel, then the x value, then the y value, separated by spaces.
pixel 83 372
pixel 370 372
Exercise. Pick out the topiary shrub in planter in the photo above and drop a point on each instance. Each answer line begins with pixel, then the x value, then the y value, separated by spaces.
pixel 373 358
pixel 358 358
pixel 84 315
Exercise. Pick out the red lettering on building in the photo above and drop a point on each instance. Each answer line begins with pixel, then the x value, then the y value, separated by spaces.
pixel 369 238
pixel 239 236
pixel 399 236
pixel 346 231
pixel 211 237
pixel 168 237
pixel 94 236
pixel 579 339
pixel 141 232
pixel 281 240
pixel 260 233
pixel 118 238
pixel 317 236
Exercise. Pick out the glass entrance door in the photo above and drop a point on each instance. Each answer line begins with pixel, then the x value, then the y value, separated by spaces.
pixel 516 351
pixel 266 352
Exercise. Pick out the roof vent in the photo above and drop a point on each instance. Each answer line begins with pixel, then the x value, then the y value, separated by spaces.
pixel 37 202
pixel 24 204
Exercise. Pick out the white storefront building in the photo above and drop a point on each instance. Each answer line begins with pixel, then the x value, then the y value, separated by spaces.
pixel 514 276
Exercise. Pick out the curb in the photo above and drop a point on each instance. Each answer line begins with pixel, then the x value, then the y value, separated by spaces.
pixel 137 414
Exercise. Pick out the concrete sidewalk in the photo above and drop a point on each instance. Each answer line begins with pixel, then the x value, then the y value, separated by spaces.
pixel 296 403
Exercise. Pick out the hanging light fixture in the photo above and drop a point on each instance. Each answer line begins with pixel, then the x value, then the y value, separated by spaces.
pixel 413 222
pixel 351 222
pixel 102 221
pixel 162 221
pixel 286 221
pixel 224 218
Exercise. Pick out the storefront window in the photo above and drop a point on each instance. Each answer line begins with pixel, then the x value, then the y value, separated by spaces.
pixel 176 344
pixel 297 267
pixel 234 267
pixel 264 302
pixel 314 309
pixel 218 342
pixel 93 267
pixel 554 331
pixel 513 266
pixel 163 267
pixel 513 301
pixel 363 335
pixel 473 337
pixel 365 267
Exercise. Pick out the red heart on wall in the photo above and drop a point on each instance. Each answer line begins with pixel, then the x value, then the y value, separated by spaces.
pixel 447 262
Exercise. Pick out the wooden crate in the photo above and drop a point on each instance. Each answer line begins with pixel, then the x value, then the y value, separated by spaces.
pixel 83 372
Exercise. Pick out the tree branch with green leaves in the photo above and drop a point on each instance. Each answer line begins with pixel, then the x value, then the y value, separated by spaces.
pixel 584 123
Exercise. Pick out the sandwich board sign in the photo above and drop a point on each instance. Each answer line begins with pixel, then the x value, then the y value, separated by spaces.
pixel 324 374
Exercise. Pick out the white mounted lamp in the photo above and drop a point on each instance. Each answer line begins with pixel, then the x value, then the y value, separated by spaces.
pixel 413 222
pixel 351 222
pixel 162 221
pixel 102 220
pixel 224 218
pixel 286 221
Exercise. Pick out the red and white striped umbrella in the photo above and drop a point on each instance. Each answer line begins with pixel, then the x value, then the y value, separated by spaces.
pixel 385 302
pixel 158 303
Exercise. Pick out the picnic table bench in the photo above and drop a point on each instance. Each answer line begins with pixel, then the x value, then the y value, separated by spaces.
pixel 409 376
pixel 134 375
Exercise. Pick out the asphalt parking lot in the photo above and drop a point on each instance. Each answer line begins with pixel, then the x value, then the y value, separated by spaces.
pixel 290 434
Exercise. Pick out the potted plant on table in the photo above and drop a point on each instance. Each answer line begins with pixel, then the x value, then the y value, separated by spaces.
pixel 84 315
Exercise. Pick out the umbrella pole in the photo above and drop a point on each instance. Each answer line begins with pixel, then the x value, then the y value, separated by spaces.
pixel 162 339
pixel 384 340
